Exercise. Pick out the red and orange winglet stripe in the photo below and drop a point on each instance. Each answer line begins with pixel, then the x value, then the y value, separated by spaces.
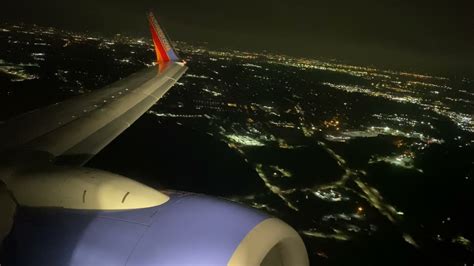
pixel 161 55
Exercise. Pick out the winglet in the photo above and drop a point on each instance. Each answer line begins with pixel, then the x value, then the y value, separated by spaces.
pixel 163 47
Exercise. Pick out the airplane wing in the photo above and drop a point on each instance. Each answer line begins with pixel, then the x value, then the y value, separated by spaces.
pixel 75 130
pixel 54 214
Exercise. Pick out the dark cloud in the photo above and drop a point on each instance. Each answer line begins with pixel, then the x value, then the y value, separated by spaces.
pixel 431 35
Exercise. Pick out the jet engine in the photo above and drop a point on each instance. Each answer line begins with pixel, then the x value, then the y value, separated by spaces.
pixel 81 216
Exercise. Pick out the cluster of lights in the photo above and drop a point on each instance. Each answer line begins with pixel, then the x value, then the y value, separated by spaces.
pixel 282 194
pixel 172 115
pixel 404 160
pixel 330 194
pixel 18 72
pixel 244 140
pixel 388 131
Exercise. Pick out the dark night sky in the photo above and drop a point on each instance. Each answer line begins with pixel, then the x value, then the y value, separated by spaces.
pixel 409 34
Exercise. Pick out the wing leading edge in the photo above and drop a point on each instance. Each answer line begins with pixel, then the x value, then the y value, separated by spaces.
pixel 77 129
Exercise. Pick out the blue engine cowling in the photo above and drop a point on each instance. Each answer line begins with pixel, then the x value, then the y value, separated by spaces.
pixel 189 229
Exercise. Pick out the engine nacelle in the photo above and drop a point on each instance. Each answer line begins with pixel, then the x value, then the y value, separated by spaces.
pixel 80 188
pixel 118 221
